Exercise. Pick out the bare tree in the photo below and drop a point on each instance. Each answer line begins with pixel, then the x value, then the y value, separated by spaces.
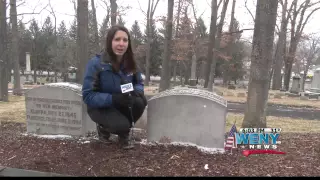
pixel 210 66
pixel 165 71
pixel 174 62
pixel 82 40
pixel 195 47
pixel 261 61
pixel 95 27
pixel 231 29
pixel 307 52
pixel 3 53
pixel 14 47
pixel 281 45
pixel 209 81
pixel 114 7
pixel 297 27
pixel 55 49
pixel 152 5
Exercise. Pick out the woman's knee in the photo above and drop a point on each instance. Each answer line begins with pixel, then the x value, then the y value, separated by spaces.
pixel 111 119
pixel 139 104
pixel 138 108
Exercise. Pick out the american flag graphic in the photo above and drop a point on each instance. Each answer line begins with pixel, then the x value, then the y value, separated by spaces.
pixel 230 143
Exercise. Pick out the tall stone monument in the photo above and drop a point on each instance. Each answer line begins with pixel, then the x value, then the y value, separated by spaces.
pixel 28 66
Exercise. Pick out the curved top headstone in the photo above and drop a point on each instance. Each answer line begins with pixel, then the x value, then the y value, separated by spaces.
pixel 185 91
pixel 67 85
pixel 57 108
pixel 77 88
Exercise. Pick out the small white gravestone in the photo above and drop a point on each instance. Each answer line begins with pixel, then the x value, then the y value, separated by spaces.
pixel 57 109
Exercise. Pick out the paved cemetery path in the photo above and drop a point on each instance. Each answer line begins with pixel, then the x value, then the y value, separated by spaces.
pixel 281 111
pixel 278 111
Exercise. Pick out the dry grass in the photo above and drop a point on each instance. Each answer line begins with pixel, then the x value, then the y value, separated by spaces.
pixel 14 110
pixel 287 124
pixel 231 95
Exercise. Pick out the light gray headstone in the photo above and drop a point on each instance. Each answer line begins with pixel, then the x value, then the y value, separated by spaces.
pixel 295 88
pixel 187 115
pixel 57 108
pixel 315 84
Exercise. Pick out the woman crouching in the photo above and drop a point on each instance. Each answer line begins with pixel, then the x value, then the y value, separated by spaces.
pixel 107 106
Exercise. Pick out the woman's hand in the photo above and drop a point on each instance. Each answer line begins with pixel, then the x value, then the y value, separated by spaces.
pixel 121 99
pixel 140 95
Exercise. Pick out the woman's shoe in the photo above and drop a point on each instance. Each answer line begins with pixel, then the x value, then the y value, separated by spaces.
pixel 103 135
pixel 125 142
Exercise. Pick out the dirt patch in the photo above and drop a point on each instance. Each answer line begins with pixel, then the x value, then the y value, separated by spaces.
pixel 70 157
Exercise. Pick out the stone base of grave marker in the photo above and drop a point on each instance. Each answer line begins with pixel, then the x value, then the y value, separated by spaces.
pixel 189 116
pixel 57 108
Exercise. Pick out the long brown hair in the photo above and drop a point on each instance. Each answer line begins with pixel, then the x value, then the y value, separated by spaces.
pixel 128 57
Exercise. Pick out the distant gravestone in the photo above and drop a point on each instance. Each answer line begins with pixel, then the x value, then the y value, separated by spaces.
pixel 295 85
pixel 57 108
pixel 315 84
pixel 187 115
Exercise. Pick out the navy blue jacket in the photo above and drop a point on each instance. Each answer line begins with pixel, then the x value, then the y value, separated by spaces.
pixel 100 82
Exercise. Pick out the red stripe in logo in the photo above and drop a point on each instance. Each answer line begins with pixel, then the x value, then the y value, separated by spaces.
pixel 249 152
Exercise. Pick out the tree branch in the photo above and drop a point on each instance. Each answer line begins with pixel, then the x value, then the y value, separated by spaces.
pixel 143 12
pixel 106 4
pixel 289 12
pixel 277 29
pixel 154 8
pixel 306 20
pixel 240 31
pixel 245 4
pixel 33 11
pixel 219 4
pixel 21 3
pixel 301 17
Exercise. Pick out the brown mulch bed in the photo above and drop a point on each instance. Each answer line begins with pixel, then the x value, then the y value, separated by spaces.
pixel 70 157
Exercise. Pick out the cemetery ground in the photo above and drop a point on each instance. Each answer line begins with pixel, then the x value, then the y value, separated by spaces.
pixel 300 140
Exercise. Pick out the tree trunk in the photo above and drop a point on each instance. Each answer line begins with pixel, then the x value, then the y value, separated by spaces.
pixel 174 62
pixel 35 73
pixel 148 45
pixel 280 51
pixel 288 63
pixel 261 61
pixel 3 53
pixel 114 8
pixel 82 17
pixel 296 33
pixel 174 74
pixel 95 27
pixel 14 47
pixel 166 70
pixel 230 48
pixel 209 65
pixel 217 45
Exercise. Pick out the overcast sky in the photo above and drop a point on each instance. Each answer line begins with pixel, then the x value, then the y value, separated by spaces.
pixel 65 11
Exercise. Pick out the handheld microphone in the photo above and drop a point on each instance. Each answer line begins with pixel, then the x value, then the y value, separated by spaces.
pixel 128 87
